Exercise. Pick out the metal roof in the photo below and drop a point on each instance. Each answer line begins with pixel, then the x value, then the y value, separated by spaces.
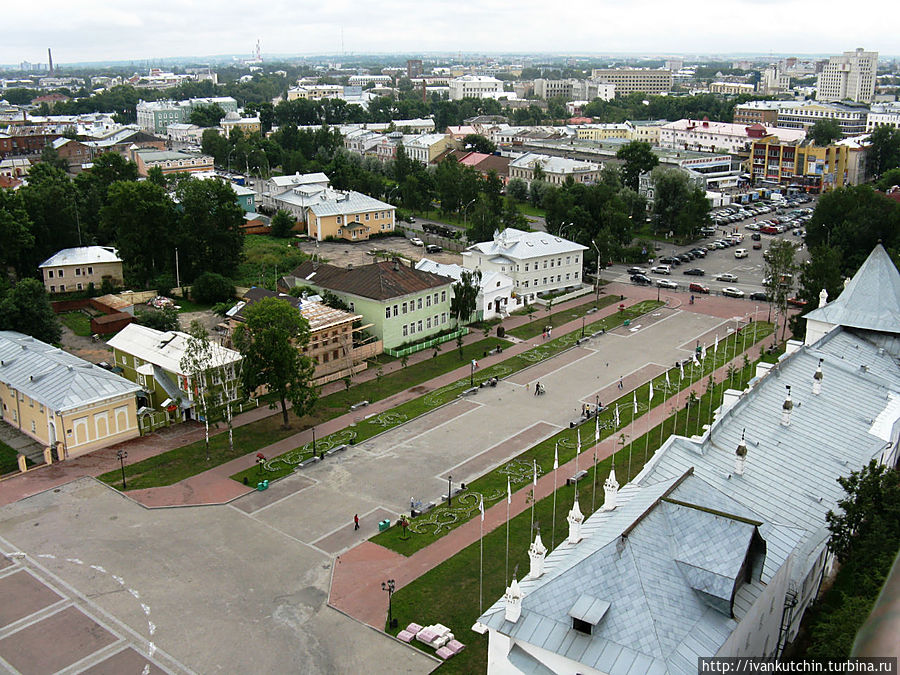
pixel 342 203
pixel 164 349
pixel 379 281
pixel 56 378
pixel 82 255
pixel 518 245
pixel 871 300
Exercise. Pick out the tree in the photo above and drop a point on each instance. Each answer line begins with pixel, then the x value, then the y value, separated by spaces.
pixel 207 115
pixel 210 288
pixel 779 269
pixel 211 221
pixel 483 221
pixel 197 364
pixel 92 188
pixel 15 233
pixel 825 132
pixel 871 510
pixel 50 201
pixel 679 206
pixel 884 150
pixel 282 224
pixel 215 144
pixel 479 143
pixel 888 179
pixel 637 158
pixel 465 296
pixel 50 156
pixel 271 341
pixel 512 217
pixel 141 217
pixel 517 189
pixel 26 308
pixel 163 319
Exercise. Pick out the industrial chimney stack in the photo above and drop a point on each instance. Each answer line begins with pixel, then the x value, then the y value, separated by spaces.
pixel 50 61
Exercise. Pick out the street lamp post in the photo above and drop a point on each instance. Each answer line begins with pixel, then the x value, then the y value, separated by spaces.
pixel 582 326
pixel 122 456
pixel 466 211
pixel 389 587
pixel 472 374
pixel 314 441
pixel 449 490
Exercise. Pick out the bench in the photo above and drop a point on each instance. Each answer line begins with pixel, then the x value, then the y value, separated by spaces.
pixel 469 391
pixel 361 404
pixel 336 449
pixel 308 461
pixel 576 477
pixel 422 509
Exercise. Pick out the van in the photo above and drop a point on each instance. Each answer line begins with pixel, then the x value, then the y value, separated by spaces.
pixel 741 253
pixel 698 288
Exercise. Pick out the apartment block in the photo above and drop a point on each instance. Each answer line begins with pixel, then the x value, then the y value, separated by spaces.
pixel 630 80
pixel 850 76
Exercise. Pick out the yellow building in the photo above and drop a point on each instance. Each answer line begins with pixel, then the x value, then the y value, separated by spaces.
pixel 348 215
pixel 801 164
pixel 74 269
pixel 233 120
pixel 315 92
pixel 61 401
pixel 601 132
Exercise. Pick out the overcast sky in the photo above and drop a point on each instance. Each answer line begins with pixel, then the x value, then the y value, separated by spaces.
pixel 97 30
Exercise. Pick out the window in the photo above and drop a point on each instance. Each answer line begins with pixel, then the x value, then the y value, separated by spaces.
pixel 435 298
pixel 405 330
pixel 335 354
pixel 420 325
pixel 545 264
pixel 404 308
pixel 419 304
pixel 526 267
pixel 443 296
pixel 340 220
pixel 33 428
pixel 41 407
pixel 59 273
pixel 50 274
pixel 53 289
pixel 568 258
pixel 428 323
pixel 428 301
pixel 90 270
pixel 77 271
pixel 387 312
pixel 325 357
pixel 551 264
pixel 582 626
pixel 575 275
pixel 545 280
pixel 526 284
pixel 79 286
pixel 395 310
pixel 62 288
pixel 567 276
pixel 443 317
pixel 412 328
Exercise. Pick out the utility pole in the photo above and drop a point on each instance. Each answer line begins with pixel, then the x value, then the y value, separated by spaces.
pixel 177 273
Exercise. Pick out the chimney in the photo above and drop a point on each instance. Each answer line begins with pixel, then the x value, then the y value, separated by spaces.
pixel 536 553
pixel 740 456
pixel 610 492
pixel 823 298
pixel 817 379
pixel 575 518
pixel 513 599
pixel 786 408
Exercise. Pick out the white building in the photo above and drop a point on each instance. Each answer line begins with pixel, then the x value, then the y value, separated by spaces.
pixel 849 76
pixel 718 546
pixel 883 115
pixel 706 136
pixel 495 290
pixel 476 86
pixel 537 262
pixel 555 170
pixel 363 80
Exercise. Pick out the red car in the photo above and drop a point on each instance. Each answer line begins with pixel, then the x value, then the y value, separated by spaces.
pixel 796 302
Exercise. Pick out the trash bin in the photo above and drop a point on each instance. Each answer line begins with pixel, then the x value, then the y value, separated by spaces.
pixel 383 525
pixel 627 323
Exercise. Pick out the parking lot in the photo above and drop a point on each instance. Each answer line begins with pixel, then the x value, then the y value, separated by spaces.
pixel 749 271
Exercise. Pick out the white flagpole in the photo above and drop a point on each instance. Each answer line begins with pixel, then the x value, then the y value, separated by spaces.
pixel 508 502
pixel 680 387
pixel 667 393
pixel 577 449
pixel 533 498
pixel 481 560
pixel 596 443
pixel 633 415
pixel 555 467
pixel 649 408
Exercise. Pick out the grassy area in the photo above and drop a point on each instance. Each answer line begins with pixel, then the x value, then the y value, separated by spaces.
pixel 265 259
pixel 180 463
pixel 188 305
pixel 492 486
pixel 284 464
pixel 78 322
pixel 8 459
pixel 529 210
pixel 540 318
pixel 426 600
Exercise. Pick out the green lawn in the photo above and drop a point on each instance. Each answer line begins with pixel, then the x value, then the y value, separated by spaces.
pixel 188 305
pixel 540 318
pixel 284 464
pixel 492 486
pixel 8 459
pixel 180 463
pixel 427 601
pixel 265 259
pixel 529 210
pixel 77 321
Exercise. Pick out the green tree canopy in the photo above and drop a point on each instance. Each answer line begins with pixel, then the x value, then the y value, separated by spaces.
pixel 207 115
pixel 679 206
pixel 271 341
pixel 211 222
pixel 884 150
pixel 50 156
pixel 637 158
pixel 51 203
pixel 15 233
pixel 26 308
pixel 282 224
pixel 479 143
pixel 825 132
pixel 465 296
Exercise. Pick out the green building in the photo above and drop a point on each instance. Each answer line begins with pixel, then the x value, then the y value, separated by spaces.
pixel 155 116
pixel 401 304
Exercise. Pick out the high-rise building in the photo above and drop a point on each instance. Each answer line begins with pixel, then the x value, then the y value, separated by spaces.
pixel 630 80
pixel 414 68
pixel 848 77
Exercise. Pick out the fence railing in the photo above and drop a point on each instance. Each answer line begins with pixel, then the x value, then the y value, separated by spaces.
pixel 428 344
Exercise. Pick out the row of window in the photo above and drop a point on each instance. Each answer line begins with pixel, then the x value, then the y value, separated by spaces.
pixel 428 324
pixel 558 262
pixel 355 218
pixel 60 273
pixel 413 305
pixel 544 281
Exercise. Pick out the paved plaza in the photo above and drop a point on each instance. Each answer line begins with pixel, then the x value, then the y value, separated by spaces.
pixel 243 587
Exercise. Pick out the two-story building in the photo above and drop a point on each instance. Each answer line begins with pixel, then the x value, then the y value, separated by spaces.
pixel 427 147
pixel 74 269
pixel 65 403
pixel 402 304
pixel 332 345
pixel 348 215
pixel 537 262
pixel 812 168
pixel 153 359
pixel 170 161
pixel 552 169
pixel 495 289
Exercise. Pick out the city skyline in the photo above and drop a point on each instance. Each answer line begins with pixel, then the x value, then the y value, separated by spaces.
pixel 161 30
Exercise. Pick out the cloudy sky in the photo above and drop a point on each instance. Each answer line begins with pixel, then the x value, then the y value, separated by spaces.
pixel 95 30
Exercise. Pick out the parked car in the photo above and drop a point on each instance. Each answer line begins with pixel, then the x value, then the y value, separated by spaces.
pixel 666 283
pixel 694 287
pixel 641 279
pixel 796 302
pixel 661 269
pixel 756 236
pixel 741 253
pixel 433 248
pixel 695 272
pixel 685 257
pixel 636 270
pixel 727 276
pixel 669 260
pixel 759 295
pixel 733 292
pixel 415 241
pixel 757 245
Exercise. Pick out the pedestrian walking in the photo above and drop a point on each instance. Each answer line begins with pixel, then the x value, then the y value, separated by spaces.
pixel 621 386
pixel 537 388
pixel 356 521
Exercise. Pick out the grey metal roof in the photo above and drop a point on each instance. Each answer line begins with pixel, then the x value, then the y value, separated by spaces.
pixel 82 255
pixel 515 244
pixel 56 378
pixel 588 608
pixel 348 203
pixel 871 300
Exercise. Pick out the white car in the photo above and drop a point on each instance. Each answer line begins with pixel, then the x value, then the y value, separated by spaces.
pixel 666 283
pixel 741 253
pixel 733 292
pixel 727 276
pixel 415 241
pixel 661 269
